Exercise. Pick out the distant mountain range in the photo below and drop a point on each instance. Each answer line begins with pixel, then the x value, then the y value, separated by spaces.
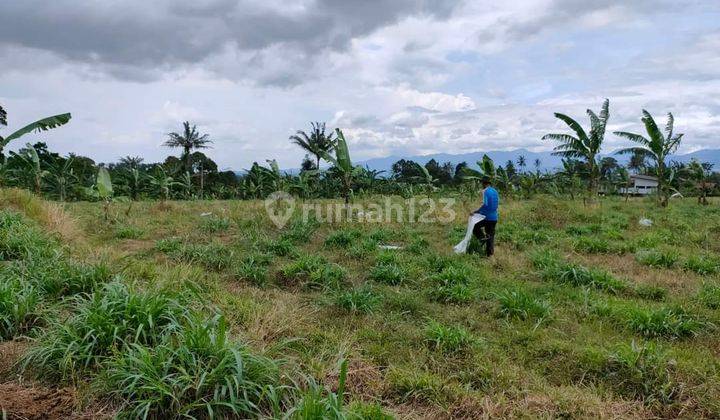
pixel 548 162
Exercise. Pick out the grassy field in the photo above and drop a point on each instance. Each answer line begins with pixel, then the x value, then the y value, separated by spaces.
pixel 581 313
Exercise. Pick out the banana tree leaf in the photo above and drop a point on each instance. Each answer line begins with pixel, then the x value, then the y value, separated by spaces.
pixel 40 125
pixel 104 184
pixel 342 152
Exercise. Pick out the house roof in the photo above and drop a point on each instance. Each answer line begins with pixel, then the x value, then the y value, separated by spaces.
pixel 646 177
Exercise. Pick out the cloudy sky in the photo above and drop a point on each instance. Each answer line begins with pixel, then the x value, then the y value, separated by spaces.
pixel 401 77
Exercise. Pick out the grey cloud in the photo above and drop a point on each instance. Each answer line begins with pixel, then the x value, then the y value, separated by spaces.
pixel 148 35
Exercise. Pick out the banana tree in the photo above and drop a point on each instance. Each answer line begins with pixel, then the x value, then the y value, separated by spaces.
pixel 657 148
pixel 163 183
pixel 699 174
pixel 62 176
pixel 343 165
pixel 426 179
pixel 31 166
pixel 37 126
pixel 583 145
pixel 103 190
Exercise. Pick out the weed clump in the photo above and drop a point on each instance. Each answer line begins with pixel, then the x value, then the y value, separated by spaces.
pixel 703 265
pixel 194 371
pixel 642 372
pixel 520 304
pixel 253 269
pixel 391 274
pixel 709 295
pixel 103 322
pixel 357 300
pixel 448 339
pixel 655 258
pixel 214 224
pixel 452 285
pixel 20 308
pixel 664 322
pixel 342 238
pixel 314 272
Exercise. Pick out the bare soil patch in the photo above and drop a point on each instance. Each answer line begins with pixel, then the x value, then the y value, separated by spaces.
pixel 31 402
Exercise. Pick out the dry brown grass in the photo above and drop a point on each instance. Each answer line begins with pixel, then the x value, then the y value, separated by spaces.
pixel 48 214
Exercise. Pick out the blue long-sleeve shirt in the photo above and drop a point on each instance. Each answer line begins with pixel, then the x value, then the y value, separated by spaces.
pixel 491 200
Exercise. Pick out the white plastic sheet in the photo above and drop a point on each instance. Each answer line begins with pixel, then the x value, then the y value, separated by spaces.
pixel 474 218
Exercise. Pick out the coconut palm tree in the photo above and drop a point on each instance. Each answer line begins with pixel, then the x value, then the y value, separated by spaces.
pixel 189 139
pixel 37 126
pixel 521 162
pixel 656 148
pixel 583 146
pixel 318 143
pixel 699 174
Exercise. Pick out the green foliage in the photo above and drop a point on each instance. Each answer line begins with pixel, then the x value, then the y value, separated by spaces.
pixel 641 371
pixel 342 238
pixel 391 274
pixel 417 386
pixel 577 275
pixel 448 339
pixel 656 258
pixel 213 256
pixel 20 307
pixel 664 322
pixel 361 299
pixel 592 245
pixel 651 292
pixel 194 371
pixel 452 285
pixel 168 245
pixel 253 269
pixel 214 224
pixel 522 305
pixel 102 322
pixel 703 264
pixel 128 232
pixel 282 247
pixel 709 295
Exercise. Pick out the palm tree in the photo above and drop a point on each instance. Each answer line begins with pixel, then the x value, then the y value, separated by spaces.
pixel 656 148
pixel 583 146
pixel 189 139
pixel 318 143
pixel 131 161
pixel 521 162
pixel 38 126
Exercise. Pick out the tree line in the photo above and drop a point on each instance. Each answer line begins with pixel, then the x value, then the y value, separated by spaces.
pixel 193 175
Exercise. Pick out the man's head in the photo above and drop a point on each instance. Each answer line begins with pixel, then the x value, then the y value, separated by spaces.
pixel 486 182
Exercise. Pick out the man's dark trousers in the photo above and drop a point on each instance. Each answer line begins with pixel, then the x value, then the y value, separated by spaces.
pixel 484 230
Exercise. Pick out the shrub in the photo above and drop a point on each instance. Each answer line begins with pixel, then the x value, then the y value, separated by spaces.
pixel 362 299
pixel 342 238
pixel 709 295
pixel 655 258
pixel 520 304
pixel 20 307
pixel 214 224
pixel 448 339
pixel 704 265
pixel 195 371
pixel 391 274
pixel 102 323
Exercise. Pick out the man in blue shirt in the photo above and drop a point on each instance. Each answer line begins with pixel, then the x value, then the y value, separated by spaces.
pixel 485 229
